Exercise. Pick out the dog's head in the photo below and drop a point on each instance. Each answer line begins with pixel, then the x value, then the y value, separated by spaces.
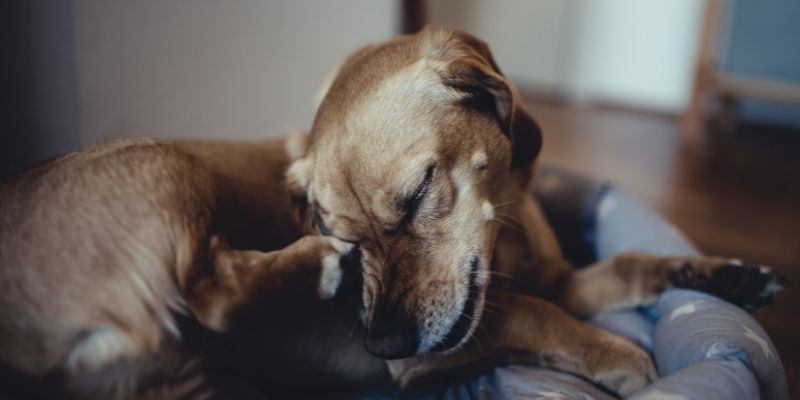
pixel 410 155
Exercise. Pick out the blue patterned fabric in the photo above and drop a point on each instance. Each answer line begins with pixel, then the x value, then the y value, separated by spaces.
pixel 704 347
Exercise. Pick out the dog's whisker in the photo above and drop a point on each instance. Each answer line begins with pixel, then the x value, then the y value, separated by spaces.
pixel 505 203
pixel 506 276
pixel 485 330
pixel 485 333
pixel 477 341
pixel 503 274
pixel 489 303
pixel 508 224
pixel 499 273
pixel 510 219
pixel 470 317
pixel 497 314
pixel 353 328
pixel 509 216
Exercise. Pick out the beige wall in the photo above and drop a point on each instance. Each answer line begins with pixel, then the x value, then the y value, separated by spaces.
pixel 527 37
pixel 207 68
pixel 628 52
pixel 633 52
pixel 100 69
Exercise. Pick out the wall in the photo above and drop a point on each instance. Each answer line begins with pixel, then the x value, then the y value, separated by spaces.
pixel 211 68
pixel 87 70
pixel 626 52
pixel 635 53
pixel 82 71
pixel 527 37
pixel 39 114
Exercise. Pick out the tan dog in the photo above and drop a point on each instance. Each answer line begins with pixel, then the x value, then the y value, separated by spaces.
pixel 418 146
pixel 100 249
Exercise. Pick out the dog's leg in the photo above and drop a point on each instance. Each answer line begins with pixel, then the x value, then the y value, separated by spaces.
pixel 627 279
pixel 633 279
pixel 313 267
pixel 524 329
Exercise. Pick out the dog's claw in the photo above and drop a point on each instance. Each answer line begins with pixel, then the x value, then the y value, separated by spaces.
pixel 747 285
pixel 683 275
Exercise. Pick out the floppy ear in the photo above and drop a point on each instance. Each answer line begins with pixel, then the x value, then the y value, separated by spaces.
pixel 474 72
pixel 297 180
pixel 526 139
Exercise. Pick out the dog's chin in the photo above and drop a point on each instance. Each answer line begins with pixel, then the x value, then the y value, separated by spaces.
pixel 471 311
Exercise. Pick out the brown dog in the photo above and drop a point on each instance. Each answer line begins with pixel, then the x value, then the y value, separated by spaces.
pixel 100 249
pixel 418 148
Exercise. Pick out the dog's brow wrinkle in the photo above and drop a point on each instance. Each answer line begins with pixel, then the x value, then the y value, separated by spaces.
pixel 369 218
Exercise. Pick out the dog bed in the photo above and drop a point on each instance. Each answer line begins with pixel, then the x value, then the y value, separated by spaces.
pixel 704 347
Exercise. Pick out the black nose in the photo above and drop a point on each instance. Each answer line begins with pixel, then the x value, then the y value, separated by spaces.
pixel 393 339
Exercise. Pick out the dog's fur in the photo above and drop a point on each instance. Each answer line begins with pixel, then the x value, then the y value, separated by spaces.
pixel 101 248
pixel 422 154
pixel 420 148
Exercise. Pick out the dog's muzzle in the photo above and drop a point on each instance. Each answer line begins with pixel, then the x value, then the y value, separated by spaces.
pixel 468 312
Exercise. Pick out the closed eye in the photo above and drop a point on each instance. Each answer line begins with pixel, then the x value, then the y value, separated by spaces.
pixel 411 204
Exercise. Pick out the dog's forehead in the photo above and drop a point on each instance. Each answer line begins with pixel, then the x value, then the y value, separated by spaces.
pixel 395 120
pixel 401 109
pixel 415 85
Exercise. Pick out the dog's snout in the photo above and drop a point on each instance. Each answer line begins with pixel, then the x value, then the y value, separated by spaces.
pixel 392 339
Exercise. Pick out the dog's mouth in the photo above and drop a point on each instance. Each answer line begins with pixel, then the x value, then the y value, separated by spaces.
pixel 468 317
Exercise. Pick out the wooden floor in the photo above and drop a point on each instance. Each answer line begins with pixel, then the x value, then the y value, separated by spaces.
pixel 735 196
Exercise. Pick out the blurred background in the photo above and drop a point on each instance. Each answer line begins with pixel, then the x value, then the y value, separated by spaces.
pixel 694 106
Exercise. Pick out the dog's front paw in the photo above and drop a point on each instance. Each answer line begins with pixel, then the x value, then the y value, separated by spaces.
pixel 747 285
pixel 340 276
pixel 623 367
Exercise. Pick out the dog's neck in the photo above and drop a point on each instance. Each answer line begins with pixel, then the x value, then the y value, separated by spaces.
pixel 522 241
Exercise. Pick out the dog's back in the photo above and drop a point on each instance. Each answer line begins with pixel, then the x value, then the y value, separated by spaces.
pixel 89 250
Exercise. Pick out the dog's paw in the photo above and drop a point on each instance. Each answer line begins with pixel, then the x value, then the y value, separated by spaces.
pixel 744 284
pixel 340 276
pixel 624 367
